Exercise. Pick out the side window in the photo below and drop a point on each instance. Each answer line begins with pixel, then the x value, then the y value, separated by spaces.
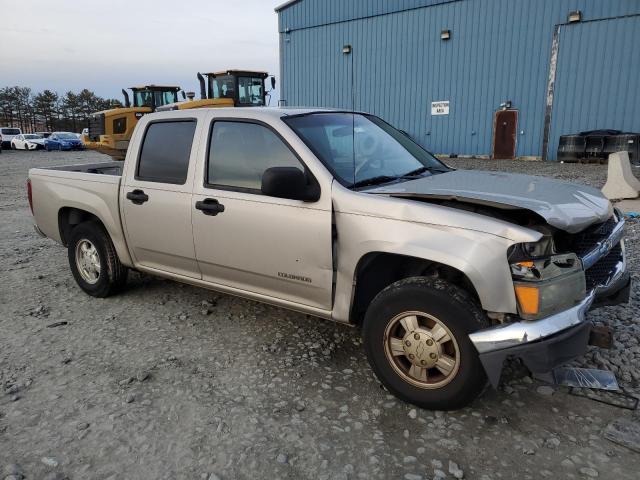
pixel 240 152
pixel 120 125
pixel 165 152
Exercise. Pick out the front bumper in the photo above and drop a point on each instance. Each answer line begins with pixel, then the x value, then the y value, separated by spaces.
pixel 546 343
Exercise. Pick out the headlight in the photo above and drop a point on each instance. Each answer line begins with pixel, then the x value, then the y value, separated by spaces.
pixel 529 251
pixel 545 285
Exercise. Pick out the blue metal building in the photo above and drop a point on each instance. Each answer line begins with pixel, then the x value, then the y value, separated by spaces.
pixel 557 66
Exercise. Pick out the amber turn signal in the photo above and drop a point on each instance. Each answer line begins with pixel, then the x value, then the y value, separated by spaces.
pixel 528 299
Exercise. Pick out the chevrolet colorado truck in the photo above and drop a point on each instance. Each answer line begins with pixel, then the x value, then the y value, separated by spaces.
pixel 341 216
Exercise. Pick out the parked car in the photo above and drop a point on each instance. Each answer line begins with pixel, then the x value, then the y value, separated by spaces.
pixel 341 216
pixel 7 134
pixel 44 134
pixel 27 141
pixel 63 141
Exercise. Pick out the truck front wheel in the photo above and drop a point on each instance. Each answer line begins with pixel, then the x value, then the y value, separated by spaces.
pixel 94 262
pixel 416 335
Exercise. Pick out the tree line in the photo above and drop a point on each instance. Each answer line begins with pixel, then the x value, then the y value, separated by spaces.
pixel 49 111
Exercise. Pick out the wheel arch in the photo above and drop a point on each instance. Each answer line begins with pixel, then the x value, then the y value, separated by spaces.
pixel 69 217
pixel 377 270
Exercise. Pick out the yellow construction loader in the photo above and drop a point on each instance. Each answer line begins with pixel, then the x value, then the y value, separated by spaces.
pixel 109 131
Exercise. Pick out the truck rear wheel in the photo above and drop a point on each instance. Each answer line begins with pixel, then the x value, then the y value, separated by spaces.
pixel 94 262
pixel 416 335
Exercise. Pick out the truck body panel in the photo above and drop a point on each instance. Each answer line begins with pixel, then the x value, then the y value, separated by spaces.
pixel 70 187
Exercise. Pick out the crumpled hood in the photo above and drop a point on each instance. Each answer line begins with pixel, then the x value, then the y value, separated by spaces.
pixel 563 205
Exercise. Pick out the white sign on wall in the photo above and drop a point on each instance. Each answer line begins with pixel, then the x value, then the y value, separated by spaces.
pixel 440 107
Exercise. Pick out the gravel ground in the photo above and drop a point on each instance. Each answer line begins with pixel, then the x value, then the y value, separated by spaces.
pixel 167 381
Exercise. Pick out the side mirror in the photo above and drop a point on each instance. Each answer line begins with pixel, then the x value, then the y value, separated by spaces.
pixel 291 183
pixel 273 83
pixel 184 95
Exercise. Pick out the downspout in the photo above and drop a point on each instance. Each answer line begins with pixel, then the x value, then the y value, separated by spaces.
pixel 553 66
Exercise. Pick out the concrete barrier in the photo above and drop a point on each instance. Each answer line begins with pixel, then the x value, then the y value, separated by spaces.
pixel 620 180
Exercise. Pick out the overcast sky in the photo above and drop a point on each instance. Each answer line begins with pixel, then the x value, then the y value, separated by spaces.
pixel 106 45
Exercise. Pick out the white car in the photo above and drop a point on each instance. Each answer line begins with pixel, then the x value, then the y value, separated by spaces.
pixel 27 141
pixel 7 134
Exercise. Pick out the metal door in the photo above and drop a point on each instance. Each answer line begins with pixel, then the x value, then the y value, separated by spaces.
pixel 504 134
pixel 264 245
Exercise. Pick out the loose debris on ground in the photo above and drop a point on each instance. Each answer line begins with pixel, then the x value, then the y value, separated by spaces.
pixel 168 381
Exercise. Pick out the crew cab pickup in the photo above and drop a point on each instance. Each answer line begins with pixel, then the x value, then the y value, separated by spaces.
pixel 341 216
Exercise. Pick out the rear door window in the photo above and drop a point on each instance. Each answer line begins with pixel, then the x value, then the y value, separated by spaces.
pixel 166 149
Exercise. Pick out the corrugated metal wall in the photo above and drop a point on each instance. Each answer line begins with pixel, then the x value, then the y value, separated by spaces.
pixel 597 82
pixel 499 51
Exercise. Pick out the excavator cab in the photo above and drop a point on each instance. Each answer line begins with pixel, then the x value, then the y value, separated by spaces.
pixel 109 131
pixel 229 88
pixel 153 96
pixel 246 89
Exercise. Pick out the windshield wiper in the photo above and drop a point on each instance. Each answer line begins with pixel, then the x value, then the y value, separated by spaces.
pixel 374 181
pixel 421 170
pixel 417 171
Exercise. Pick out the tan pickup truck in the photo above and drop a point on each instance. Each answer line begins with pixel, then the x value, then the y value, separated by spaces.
pixel 341 216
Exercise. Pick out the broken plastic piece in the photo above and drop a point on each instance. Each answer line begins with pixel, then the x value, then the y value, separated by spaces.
pixel 585 378
pixel 624 432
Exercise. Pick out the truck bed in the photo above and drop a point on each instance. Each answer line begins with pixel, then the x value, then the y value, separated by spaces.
pixel 103 168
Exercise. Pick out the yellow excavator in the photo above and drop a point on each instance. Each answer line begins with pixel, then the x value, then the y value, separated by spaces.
pixel 109 131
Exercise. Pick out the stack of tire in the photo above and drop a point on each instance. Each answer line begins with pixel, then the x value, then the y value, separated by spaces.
pixel 597 145
pixel 571 148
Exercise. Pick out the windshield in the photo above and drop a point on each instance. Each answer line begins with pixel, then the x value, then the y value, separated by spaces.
pixel 149 98
pixel 251 90
pixel 165 97
pixel 66 136
pixel 10 131
pixel 223 87
pixel 31 136
pixel 362 149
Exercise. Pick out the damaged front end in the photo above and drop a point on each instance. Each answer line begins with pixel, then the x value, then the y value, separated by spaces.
pixel 554 291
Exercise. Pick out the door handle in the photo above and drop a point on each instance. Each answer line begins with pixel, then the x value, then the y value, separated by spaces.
pixel 138 197
pixel 210 206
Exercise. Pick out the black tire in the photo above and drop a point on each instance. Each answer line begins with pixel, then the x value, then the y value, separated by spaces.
pixel 454 308
pixel 112 276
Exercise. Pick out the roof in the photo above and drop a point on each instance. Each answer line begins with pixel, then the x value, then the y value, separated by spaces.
pixel 155 87
pixel 264 113
pixel 286 5
pixel 238 72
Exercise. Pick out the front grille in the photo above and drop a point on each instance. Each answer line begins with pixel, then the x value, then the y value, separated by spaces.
pixel 587 240
pixel 602 270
